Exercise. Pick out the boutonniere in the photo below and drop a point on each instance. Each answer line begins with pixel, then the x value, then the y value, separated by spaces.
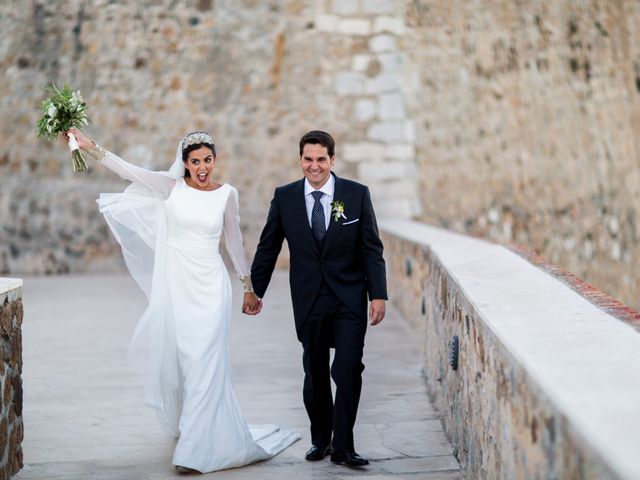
pixel 337 210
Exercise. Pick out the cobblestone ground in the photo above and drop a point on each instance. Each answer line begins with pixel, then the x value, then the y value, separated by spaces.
pixel 84 417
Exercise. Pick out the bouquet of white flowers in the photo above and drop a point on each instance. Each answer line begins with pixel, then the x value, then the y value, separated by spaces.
pixel 63 110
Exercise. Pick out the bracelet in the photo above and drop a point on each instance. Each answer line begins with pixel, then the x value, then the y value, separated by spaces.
pixel 246 283
pixel 96 151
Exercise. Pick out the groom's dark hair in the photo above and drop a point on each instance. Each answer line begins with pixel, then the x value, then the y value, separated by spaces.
pixel 318 137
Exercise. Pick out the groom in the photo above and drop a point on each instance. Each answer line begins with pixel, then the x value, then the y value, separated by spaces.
pixel 336 262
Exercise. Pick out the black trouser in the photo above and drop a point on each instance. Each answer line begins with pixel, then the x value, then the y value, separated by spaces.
pixel 331 324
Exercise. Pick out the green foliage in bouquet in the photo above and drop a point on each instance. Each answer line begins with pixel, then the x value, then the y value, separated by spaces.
pixel 64 109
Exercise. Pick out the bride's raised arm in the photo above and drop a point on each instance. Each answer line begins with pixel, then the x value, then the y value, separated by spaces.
pixel 159 182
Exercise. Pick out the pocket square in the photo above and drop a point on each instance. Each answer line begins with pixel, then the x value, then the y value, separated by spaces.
pixel 351 221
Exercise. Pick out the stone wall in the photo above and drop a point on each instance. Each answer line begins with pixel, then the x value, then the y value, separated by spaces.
pixel 11 425
pixel 517 122
pixel 533 395
pixel 257 74
pixel 369 87
pixel 527 120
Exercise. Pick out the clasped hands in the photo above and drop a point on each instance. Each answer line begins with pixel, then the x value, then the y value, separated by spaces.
pixel 251 304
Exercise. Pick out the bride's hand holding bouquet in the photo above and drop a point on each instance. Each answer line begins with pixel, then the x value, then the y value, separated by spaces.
pixel 65 112
pixel 82 141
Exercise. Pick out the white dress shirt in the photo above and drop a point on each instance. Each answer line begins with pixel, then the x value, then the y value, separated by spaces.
pixel 328 189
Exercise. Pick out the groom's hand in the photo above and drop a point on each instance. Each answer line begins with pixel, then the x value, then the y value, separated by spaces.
pixel 251 304
pixel 377 310
pixel 248 310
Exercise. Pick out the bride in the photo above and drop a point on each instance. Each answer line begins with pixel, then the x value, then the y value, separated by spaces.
pixel 169 226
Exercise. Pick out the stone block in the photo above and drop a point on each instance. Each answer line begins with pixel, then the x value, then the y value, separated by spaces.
pixel 6 320
pixel 374 68
pixel 19 312
pixel 20 457
pixel 391 107
pixel 19 460
pixel 365 110
pixel 344 7
pixel 391 62
pixel 379 7
pixel 4 436
pixel 354 27
pixel 382 43
pixel 15 452
pixel 382 171
pixel 388 24
pixel 391 132
pixel 349 83
pixel 353 152
pixel 16 383
pixel 400 151
pixel 400 188
pixel 388 208
pixel 20 431
pixel 326 23
pixel 360 62
pixel 15 350
pixel 6 392
pixel 384 82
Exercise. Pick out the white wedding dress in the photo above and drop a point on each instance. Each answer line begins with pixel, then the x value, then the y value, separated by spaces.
pixel 170 234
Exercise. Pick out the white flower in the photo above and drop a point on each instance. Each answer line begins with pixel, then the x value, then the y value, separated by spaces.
pixel 337 210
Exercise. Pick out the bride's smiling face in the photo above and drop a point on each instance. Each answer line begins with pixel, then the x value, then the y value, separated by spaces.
pixel 200 164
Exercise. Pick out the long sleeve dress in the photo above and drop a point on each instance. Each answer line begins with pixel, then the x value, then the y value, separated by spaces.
pixel 170 234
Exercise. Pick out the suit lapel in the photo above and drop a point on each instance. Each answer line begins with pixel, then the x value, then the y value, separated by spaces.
pixel 299 208
pixel 339 194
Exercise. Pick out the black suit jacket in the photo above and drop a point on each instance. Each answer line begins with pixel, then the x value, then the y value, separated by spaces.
pixel 350 260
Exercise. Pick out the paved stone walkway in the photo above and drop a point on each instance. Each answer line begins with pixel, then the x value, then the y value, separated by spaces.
pixel 84 417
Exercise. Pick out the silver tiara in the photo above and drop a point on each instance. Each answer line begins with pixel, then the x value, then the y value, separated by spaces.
pixel 196 138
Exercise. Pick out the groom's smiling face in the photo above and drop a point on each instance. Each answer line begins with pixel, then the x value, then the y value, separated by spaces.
pixel 316 164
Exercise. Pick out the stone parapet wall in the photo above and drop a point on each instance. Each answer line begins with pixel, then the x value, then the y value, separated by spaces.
pixel 11 424
pixel 546 385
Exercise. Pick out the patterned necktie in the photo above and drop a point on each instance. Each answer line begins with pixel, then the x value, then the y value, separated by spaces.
pixel 318 226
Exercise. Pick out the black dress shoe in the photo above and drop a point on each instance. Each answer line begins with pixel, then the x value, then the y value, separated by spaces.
pixel 185 470
pixel 350 459
pixel 316 453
